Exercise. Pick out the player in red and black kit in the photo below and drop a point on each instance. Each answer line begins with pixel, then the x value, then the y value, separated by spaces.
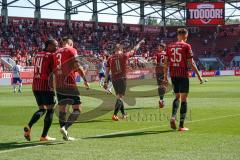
pixel 117 65
pixel 178 56
pixel 43 90
pixel 160 56
pixel 66 63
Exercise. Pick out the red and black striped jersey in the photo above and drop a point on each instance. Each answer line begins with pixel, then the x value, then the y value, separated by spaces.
pixel 178 54
pixel 42 72
pixel 118 65
pixel 65 60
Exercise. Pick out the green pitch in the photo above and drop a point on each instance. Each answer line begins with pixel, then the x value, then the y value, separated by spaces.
pixel 213 118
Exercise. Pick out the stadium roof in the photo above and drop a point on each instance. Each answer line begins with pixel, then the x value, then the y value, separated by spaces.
pixel 174 9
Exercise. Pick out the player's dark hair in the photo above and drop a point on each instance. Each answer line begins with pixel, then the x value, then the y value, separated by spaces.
pixel 49 42
pixel 16 61
pixel 66 39
pixel 182 31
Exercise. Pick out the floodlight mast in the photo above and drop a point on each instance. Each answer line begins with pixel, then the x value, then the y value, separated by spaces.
pixel 4 13
pixel 37 12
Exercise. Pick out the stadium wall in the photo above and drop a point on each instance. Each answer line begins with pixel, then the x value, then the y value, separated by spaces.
pixel 92 75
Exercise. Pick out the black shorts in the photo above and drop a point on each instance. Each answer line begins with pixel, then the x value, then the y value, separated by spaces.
pixel 101 75
pixel 109 78
pixel 15 80
pixel 120 86
pixel 68 99
pixel 44 97
pixel 160 78
pixel 180 84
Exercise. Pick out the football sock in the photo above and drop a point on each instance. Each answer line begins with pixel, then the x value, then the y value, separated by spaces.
pixel 161 97
pixel 36 116
pixel 62 118
pixel 160 92
pixel 20 87
pixel 122 108
pixel 72 118
pixel 110 86
pixel 47 122
pixel 117 106
pixel 14 87
pixel 175 107
pixel 183 111
pixel 101 82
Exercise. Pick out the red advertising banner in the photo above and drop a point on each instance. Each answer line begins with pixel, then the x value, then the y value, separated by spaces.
pixel 152 29
pixel 237 72
pixel 5 75
pixel 27 77
pixel 138 74
pixel 208 73
pixel 206 13
pixel 191 74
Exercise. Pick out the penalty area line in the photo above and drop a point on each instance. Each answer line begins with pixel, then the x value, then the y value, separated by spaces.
pixel 23 148
pixel 29 147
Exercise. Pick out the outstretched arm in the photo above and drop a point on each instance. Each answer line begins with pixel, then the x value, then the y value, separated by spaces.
pixel 136 47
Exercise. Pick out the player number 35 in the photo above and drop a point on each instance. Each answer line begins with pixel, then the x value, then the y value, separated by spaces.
pixel 176 55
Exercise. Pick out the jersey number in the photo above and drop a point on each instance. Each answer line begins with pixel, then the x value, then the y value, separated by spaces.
pixel 38 65
pixel 177 57
pixel 162 59
pixel 118 66
pixel 59 60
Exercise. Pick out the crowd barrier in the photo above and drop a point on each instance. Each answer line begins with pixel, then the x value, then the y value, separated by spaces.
pixel 92 75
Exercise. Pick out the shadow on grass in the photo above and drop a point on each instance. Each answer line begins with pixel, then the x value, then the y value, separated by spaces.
pixel 130 134
pixel 139 108
pixel 15 145
pixel 91 121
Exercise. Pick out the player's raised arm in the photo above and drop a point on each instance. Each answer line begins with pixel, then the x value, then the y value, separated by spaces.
pixel 136 47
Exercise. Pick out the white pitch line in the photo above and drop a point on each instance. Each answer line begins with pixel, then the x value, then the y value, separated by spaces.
pixel 23 148
pixel 141 129
pixel 121 132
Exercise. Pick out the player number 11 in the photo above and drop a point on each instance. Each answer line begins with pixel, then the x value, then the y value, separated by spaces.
pixel 118 66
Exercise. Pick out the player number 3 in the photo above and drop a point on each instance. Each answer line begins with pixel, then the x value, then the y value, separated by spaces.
pixel 59 57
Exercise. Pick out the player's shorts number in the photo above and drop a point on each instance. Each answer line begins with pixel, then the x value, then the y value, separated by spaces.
pixel 176 55
pixel 38 65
